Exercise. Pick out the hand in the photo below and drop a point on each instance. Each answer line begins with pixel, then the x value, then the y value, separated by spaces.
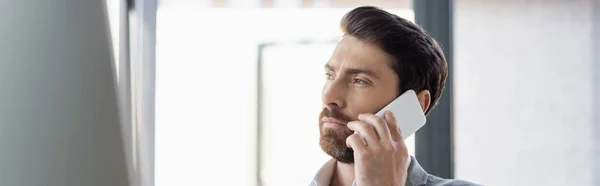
pixel 380 154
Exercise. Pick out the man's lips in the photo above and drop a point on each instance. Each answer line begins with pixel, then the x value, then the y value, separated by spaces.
pixel 333 121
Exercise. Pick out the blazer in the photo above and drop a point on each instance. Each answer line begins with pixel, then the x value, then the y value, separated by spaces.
pixel 416 176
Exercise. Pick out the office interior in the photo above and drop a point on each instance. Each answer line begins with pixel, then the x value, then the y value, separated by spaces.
pixel 200 92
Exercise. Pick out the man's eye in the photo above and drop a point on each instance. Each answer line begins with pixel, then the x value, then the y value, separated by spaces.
pixel 360 81
pixel 328 76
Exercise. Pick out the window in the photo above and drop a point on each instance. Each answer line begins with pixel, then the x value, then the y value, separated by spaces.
pixel 207 93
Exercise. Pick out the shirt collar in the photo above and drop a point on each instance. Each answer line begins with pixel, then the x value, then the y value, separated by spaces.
pixel 416 175
pixel 323 177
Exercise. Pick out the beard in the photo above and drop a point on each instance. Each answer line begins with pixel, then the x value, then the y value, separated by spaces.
pixel 333 140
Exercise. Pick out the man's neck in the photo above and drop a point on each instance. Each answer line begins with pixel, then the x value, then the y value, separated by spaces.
pixel 343 175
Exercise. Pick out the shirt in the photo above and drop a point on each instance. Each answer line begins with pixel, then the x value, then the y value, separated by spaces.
pixel 416 176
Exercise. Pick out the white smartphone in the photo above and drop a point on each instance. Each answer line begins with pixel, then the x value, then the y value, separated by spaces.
pixel 407 111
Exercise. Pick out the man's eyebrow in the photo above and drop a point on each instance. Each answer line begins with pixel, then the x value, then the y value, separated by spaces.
pixel 361 71
pixel 328 67
pixel 354 71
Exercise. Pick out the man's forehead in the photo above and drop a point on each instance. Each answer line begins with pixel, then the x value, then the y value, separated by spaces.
pixel 351 52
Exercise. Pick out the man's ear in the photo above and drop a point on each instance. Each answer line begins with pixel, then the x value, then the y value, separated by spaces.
pixel 424 99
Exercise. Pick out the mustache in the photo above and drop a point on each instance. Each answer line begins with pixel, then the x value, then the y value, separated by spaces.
pixel 335 114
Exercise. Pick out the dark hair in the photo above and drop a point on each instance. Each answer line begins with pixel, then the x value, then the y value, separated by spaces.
pixel 418 59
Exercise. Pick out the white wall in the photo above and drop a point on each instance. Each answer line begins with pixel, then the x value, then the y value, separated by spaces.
pixel 525 92
pixel 596 69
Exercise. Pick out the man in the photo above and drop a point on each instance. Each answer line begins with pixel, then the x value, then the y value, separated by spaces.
pixel 380 56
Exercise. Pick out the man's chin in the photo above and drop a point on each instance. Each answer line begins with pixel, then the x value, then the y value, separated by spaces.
pixel 334 144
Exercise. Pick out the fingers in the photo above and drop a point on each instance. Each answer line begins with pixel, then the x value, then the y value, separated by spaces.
pixel 356 142
pixel 395 131
pixel 380 125
pixel 365 130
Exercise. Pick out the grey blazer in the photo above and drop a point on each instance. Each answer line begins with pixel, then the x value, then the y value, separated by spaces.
pixel 416 176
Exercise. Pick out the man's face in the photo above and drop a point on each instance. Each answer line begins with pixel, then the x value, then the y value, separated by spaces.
pixel 359 80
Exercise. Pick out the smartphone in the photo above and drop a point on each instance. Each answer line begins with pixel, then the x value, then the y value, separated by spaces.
pixel 408 112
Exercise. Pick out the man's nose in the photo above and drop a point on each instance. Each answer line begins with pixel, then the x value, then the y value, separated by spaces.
pixel 334 94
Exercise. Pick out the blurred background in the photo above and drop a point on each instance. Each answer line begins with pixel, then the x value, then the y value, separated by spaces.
pixel 227 92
